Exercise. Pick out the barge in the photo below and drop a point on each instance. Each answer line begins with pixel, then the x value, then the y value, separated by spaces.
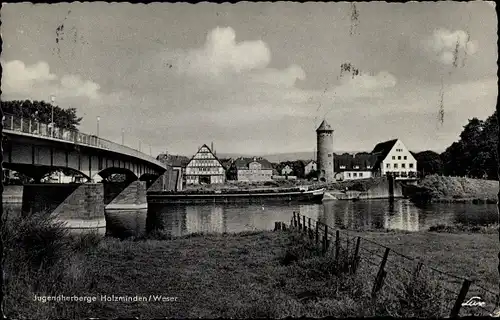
pixel 251 196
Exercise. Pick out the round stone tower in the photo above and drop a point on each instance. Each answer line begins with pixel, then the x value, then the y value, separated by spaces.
pixel 324 135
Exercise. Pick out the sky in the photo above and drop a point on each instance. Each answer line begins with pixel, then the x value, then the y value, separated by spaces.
pixel 257 78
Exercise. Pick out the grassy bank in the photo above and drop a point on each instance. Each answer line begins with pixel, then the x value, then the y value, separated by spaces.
pixel 245 275
pixel 459 189
pixel 474 255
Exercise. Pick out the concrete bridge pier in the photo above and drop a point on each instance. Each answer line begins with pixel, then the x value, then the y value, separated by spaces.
pixel 79 206
pixel 126 213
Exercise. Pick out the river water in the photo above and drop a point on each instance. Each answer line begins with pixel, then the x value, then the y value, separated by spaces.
pixel 401 214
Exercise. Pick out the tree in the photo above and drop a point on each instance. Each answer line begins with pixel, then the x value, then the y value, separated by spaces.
pixel 42 111
pixel 474 155
pixel 429 162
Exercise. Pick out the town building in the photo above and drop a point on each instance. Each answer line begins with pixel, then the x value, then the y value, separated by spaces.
pixel 204 168
pixel 252 169
pixel 394 158
pixel 178 164
pixel 286 171
pixel 354 166
pixel 310 166
pixel 324 139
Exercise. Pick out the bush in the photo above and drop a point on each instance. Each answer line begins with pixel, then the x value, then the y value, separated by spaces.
pixel 42 259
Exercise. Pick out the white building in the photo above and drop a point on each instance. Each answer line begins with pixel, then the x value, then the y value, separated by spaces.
pixel 394 158
pixel 286 170
pixel 310 167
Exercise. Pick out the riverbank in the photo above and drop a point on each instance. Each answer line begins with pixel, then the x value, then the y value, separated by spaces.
pixel 250 274
pixel 435 188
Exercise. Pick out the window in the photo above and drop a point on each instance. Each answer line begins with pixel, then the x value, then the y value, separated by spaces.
pixel 360 174
pixel 399 157
pixel 395 166
pixel 388 166
pixel 411 165
pixel 348 174
pixel 403 165
pixel 393 157
pixel 404 157
pixel 354 174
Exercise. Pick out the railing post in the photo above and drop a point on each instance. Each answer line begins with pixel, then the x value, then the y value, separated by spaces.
pixel 38 127
pixel 298 221
pixel 460 299
pixel 379 280
pixel 30 127
pixel 294 222
pixel 21 125
pixel 11 122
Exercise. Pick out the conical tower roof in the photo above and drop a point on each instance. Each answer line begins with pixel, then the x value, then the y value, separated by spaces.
pixel 324 126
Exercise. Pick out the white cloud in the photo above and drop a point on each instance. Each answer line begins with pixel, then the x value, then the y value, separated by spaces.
pixel 443 43
pixel 35 81
pixel 222 54
pixel 18 76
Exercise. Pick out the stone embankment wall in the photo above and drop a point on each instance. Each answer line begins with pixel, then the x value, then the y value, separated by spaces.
pixel 377 189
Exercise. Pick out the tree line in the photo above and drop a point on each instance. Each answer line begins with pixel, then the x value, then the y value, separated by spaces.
pixel 474 155
pixel 42 111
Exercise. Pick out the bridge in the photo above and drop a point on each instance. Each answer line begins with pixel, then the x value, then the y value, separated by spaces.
pixel 34 149
pixel 37 149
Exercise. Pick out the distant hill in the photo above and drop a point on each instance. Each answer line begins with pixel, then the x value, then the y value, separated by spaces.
pixel 279 157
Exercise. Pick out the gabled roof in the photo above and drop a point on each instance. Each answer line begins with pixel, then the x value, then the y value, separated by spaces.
pixel 307 162
pixel 381 150
pixel 209 150
pixel 242 163
pixel 173 160
pixel 324 126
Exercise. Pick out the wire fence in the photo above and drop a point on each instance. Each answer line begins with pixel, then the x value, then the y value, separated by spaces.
pixel 36 128
pixel 395 272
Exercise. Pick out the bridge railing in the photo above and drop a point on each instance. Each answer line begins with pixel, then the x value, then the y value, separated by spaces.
pixel 37 128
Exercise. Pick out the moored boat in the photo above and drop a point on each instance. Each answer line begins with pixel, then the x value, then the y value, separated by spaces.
pixel 297 194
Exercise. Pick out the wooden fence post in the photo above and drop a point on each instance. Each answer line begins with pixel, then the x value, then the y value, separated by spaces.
pixel 309 229
pixel 356 258
pixel 275 225
pixel 298 219
pixel 325 240
pixel 337 246
pixel 304 224
pixel 317 233
pixel 417 270
pixel 460 299
pixel 379 280
pixel 294 221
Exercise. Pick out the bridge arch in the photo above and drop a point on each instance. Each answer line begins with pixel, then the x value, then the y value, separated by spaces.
pixel 109 173
pixel 39 173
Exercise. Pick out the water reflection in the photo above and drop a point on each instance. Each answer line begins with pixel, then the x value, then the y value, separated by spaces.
pixel 399 214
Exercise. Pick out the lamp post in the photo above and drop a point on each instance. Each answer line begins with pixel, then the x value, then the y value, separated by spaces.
pixel 98 118
pixel 52 100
